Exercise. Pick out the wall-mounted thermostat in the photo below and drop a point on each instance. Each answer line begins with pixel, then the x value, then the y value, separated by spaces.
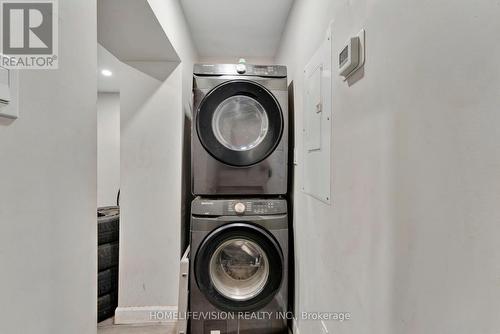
pixel 352 55
pixel 349 57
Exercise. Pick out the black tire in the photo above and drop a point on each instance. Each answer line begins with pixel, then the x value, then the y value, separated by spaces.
pixel 106 306
pixel 108 224
pixel 107 256
pixel 107 281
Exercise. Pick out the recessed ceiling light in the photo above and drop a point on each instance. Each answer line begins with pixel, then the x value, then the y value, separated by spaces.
pixel 106 73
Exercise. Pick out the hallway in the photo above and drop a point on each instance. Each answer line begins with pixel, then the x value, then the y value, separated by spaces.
pixel 333 165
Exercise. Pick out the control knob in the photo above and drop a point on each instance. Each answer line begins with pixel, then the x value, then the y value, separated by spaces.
pixel 239 208
pixel 241 68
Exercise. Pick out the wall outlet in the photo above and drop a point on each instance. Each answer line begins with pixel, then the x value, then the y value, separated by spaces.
pixel 324 330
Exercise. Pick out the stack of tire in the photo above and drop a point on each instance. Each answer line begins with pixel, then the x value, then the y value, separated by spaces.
pixel 108 226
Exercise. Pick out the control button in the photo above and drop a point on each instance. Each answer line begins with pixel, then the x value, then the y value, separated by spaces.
pixel 241 68
pixel 239 207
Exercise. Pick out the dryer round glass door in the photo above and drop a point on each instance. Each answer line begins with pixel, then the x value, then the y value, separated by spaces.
pixel 239 267
pixel 239 123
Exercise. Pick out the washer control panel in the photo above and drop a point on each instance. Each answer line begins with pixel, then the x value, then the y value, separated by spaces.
pixel 238 207
pixel 254 207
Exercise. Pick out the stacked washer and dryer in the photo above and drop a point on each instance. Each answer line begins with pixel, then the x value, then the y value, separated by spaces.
pixel 239 223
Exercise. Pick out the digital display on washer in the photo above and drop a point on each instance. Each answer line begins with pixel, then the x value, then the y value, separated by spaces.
pixel 263 206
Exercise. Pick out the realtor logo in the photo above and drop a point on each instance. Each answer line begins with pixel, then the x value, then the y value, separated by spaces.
pixel 29 34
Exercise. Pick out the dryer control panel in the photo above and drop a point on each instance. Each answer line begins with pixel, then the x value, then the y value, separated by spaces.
pixel 238 207
pixel 274 71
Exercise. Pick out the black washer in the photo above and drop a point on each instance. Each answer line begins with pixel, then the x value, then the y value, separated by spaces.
pixel 209 105
pixel 233 231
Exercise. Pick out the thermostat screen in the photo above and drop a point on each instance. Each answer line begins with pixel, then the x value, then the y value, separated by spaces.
pixel 343 56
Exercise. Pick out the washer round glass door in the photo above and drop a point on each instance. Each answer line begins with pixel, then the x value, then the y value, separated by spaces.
pixel 239 122
pixel 239 267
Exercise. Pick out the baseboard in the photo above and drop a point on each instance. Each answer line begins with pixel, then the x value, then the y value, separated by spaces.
pixel 146 315
pixel 295 326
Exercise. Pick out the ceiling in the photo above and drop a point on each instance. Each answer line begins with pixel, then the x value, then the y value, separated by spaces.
pixel 130 30
pixel 236 28
pixel 106 61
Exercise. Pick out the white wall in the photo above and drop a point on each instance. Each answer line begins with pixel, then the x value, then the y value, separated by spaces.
pixel 108 148
pixel 171 17
pixel 410 244
pixel 48 198
pixel 151 134
pixel 151 170
pixel 234 60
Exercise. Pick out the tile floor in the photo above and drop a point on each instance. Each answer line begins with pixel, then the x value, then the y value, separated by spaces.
pixel 107 327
